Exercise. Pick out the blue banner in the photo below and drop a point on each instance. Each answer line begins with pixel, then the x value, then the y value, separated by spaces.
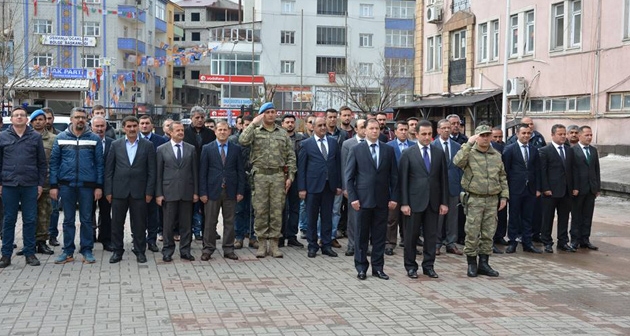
pixel 68 73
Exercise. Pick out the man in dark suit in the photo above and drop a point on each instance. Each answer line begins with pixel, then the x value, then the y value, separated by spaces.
pixel 522 166
pixel 424 195
pixel 130 185
pixel 345 151
pixel 372 182
pixel 556 172
pixel 154 218
pixel 499 236
pixel 221 186
pixel 176 189
pixel 447 224
pixel 319 164
pixel 586 188
pixel 104 222
pixel 394 217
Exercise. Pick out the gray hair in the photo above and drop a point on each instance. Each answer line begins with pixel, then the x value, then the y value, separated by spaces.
pixel 197 110
pixel 443 121
pixel 452 116
pixel 77 109
pixel 97 118
pixel 171 126
pixel 572 128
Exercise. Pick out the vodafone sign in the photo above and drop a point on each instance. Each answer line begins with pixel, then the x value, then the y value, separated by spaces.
pixel 222 79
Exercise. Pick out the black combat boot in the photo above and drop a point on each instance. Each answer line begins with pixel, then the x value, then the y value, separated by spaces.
pixel 472 266
pixel 484 268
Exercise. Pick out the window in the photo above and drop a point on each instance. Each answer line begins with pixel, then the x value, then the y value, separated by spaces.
pixel 458 49
pixel 180 17
pixel 42 59
pixel 555 104
pixel 93 1
pixel 194 74
pixel 332 7
pixel 288 6
pixel 234 64
pixel 331 35
pixel 42 27
pixel 566 28
pixel 366 10
pixel 160 9
pixel 195 36
pixel 483 42
pixel 513 35
pixel 619 101
pixel 195 17
pixel 626 20
pixel 324 65
pixel 399 38
pixel 495 40
pixel 91 61
pixel 397 9
pixel 434 53
pixel 365 40
pixel 365 69
pixel 529 32
pixel 287 67
pixel 398 67
pixel 576 23
pixel 287 37
pixel 92 28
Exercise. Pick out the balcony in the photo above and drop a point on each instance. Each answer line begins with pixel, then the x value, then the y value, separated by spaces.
pixel 178 31
pixel 160 26
pixel 178 83
pixel 159 52
pixel 127 12
pixel 129 45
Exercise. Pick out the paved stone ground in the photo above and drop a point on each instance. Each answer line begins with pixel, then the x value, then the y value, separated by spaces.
pixel 579 293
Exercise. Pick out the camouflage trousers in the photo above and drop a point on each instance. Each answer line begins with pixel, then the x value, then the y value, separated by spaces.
pixel 44 209
pixel 481 223
pixel 268 199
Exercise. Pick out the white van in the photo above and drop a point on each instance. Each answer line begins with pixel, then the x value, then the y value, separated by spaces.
pixel 61 122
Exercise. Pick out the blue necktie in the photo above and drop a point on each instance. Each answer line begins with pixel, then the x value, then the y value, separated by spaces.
pixel 427 161
pixel 374 155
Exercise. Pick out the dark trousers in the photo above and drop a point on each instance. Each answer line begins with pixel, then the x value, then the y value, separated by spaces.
pixel 549 206
pixel 461 224
pixel 227 207
pixel 243 221
pixel 371 224
pixel 177 212
pixel 14 198
pixel 104 221
pixel 428 221
pixel 394 218
pixel 521 216
pixel 291 214
pixel 343 221
pixel 501 224
pixel 138 214
pixel 153 221
pixel 537 218
pixel 319 205
pixel 582 218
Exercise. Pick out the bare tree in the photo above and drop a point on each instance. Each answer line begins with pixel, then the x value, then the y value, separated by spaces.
pixel 266 94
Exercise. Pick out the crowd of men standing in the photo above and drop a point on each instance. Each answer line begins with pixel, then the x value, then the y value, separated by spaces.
pixel 366 182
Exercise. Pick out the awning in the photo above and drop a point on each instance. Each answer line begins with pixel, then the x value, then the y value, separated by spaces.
pixel 48 84
pixel 202 86
pixel 449 101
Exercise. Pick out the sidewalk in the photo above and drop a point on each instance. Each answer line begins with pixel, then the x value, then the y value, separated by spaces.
pixel 615 171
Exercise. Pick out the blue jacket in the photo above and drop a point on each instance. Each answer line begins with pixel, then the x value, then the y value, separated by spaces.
pixel 22 159
pixel 77 161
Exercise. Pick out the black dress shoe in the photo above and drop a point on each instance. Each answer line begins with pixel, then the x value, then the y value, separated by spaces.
pixel 380 275
pixel 589 246
pixel 53 242
pixel 230 255
pixel 294 242
pixel 32 260
pixel 430 272
pixel 4 262
pixel 566 248
pixel 362 275
pixel 511 248
pixel 389 251
pixel 501 241
pixel 575 246
pixel 412 274
pixel 496 250
pixel 312 254
pixel 206 256
pixel 153 247
pixel 536 239
pixel 329 252
pixel 281 242
pixel 167 258
pixel 43 248
pixel 108 247
pixel 141 258
pixel 349 253
pixel 531 249
pixel 549 248
pixel 199 237
pixel 188 257
pixel 20 252
pixel 218 235
pixel 116 257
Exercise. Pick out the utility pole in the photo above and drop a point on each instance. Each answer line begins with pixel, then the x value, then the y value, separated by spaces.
pixel 253 50
pixel 134 89
pixel 83 7
pixel 301 59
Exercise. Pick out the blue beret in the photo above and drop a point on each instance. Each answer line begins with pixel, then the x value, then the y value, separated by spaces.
pixel 36 114
pixel 265 107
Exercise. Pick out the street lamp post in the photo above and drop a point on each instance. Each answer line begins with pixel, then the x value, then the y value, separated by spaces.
pixel 230 72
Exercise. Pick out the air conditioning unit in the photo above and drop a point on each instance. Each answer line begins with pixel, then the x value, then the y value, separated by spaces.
pixel 434 14
pixel 516 86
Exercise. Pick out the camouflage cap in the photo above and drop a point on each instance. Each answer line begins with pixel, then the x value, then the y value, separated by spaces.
pixel 483 129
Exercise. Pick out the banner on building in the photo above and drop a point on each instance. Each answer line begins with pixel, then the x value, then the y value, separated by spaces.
pixel 76 41
pixel 68 73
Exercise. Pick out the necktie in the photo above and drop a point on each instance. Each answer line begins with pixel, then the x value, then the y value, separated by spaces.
pixel 179 153
pixel 323 149
pixel 447 152
pixel 362 140
pixel 525 155
pixel 561 148
pixel 374 158
pixel 223 154
pixel 588 154
pixel 427 161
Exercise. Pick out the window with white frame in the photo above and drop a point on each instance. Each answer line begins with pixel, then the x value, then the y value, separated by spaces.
pixel 566 25
pixel 92 28
pixel 160 10
pixel 287 37
pixel 365 40
pixel 287 67
pixel 434 53
pixel 619 101
pixel 495 40
pixel 42 59
pixel 93 1
pixel 554 104
pixel 399 38
pixel 366 10
pixel 458 45
pixel 288 6
pixel 365 69
pixel 513 35
pixel 331 35
pixel 529 32
pixel 438 52
pixel 626 19
pixel 483 42
pixel 397 9
pixel 42 26
pixel 398 67
pixel 91 61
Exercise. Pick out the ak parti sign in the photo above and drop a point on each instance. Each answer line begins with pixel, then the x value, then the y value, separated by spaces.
pixel 234 79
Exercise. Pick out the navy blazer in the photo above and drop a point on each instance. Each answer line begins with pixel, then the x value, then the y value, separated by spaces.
pixel 108 145
pixel 419 188
pixel 313 170
pixel 586 177
pixel 156 140
pixel 519 176
pixel 212 172
pixel 454 173
pixel 371 186
pixel 556 175
pixel 397 152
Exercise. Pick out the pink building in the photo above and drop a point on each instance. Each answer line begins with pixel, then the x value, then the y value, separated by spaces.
pixel 569 63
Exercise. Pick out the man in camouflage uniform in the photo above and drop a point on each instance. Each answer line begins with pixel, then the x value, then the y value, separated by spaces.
pixel 273 168
pixel 484 183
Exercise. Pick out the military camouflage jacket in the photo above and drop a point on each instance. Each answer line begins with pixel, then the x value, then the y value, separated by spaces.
pixel 49 139
pixel 484 173
pixel 270 148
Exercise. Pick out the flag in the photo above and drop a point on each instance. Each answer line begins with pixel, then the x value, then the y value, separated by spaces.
pixel 85 9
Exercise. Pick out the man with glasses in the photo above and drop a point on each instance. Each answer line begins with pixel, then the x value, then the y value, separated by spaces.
pixel 76 174
pixel 23 168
